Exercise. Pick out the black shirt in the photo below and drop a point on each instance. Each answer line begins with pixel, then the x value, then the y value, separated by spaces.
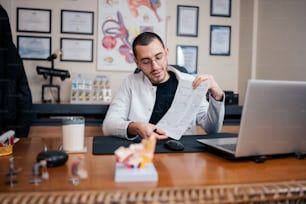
pixel 164 96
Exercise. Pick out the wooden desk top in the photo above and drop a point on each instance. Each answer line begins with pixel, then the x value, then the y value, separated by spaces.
pixel 179 170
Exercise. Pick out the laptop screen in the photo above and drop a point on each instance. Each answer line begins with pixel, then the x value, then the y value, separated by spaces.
pixel 273 118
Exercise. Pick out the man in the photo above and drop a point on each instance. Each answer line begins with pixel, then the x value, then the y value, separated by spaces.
pixel 144 97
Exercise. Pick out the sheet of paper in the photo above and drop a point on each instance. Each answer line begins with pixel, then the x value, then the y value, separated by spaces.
pixel 183 109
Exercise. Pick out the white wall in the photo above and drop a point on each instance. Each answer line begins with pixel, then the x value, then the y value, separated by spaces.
pixel 267 42
pixel 281 52
pixel 272 41
pixel 225 69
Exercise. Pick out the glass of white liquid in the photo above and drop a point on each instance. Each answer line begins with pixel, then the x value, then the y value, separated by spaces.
pixel 73 134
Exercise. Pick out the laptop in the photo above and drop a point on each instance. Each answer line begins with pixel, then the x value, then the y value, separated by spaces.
pixel 273 121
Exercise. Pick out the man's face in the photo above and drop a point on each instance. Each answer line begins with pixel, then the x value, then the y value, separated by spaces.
pixel 152 60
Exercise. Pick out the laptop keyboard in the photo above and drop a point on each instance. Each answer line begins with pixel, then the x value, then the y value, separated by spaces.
pixel 231 147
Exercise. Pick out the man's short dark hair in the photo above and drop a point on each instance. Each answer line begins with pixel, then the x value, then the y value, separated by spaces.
pixel 144 39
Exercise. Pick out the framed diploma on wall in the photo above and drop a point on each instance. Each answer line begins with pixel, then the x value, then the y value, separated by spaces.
pixel 220 40
pixel 187 56
pixel 33 20
pixel 187 21
pixel 77 22
pixel 34 47
pixel 77 50
pixel 220 8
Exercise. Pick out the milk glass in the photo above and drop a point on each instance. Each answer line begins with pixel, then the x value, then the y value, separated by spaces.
pixel 73 133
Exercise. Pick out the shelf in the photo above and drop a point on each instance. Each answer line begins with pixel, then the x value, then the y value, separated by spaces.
pixel 49 114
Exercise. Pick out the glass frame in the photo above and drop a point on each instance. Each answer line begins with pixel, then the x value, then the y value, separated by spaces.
pixel 187 57
pixel 76 48
pixel 220 40
pixel 34 47
pixel 187 21
pixel 77 22
pixel 221 8
pixel 33 20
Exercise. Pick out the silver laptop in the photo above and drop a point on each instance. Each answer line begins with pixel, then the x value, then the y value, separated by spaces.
pixel 273 121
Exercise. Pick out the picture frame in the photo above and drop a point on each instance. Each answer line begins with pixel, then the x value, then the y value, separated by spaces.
pixel 33 20
pixel 187 56
pixel 220 40
pixel 221 8
pixel 76 50
pixel 34 47
pixel 77 22
pixel 187 21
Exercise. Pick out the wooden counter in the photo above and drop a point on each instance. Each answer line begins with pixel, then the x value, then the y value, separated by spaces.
pixel 177 172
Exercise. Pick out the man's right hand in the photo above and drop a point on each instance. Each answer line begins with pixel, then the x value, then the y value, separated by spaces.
pixel 146 130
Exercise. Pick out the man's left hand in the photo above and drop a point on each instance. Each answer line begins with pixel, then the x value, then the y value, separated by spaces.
pixel 214 89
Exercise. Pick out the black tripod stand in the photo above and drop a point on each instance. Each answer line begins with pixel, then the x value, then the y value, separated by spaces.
pixel 63 74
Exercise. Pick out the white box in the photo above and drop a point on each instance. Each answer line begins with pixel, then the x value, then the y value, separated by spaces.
pixel 123 174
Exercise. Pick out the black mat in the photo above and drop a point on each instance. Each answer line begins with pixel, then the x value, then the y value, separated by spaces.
pixel 108 144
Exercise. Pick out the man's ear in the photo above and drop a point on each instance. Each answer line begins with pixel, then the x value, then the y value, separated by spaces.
pixel 135 60
pixel 167 51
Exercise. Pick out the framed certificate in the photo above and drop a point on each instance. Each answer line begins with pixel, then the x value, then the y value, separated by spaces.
pixel 77 22
pixel 187 56
pixel 187 21
pixel 34 47
pixel 33 20
pixel 221 8
pixel 77 50
pixel 220 40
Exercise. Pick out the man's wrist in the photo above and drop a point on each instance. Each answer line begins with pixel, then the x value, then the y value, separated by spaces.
pixel 217 93
pixel 129 130
pixel 219 98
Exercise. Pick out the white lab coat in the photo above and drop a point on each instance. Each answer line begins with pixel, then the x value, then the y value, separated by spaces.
pixel 135 100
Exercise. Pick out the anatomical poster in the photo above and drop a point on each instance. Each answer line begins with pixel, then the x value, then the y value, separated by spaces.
pixel 120 21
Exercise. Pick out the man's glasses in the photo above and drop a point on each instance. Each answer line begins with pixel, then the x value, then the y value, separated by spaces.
pixel 159 58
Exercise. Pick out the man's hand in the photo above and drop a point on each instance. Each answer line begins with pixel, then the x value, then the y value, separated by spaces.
pixel 146 130
pixel 214 89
